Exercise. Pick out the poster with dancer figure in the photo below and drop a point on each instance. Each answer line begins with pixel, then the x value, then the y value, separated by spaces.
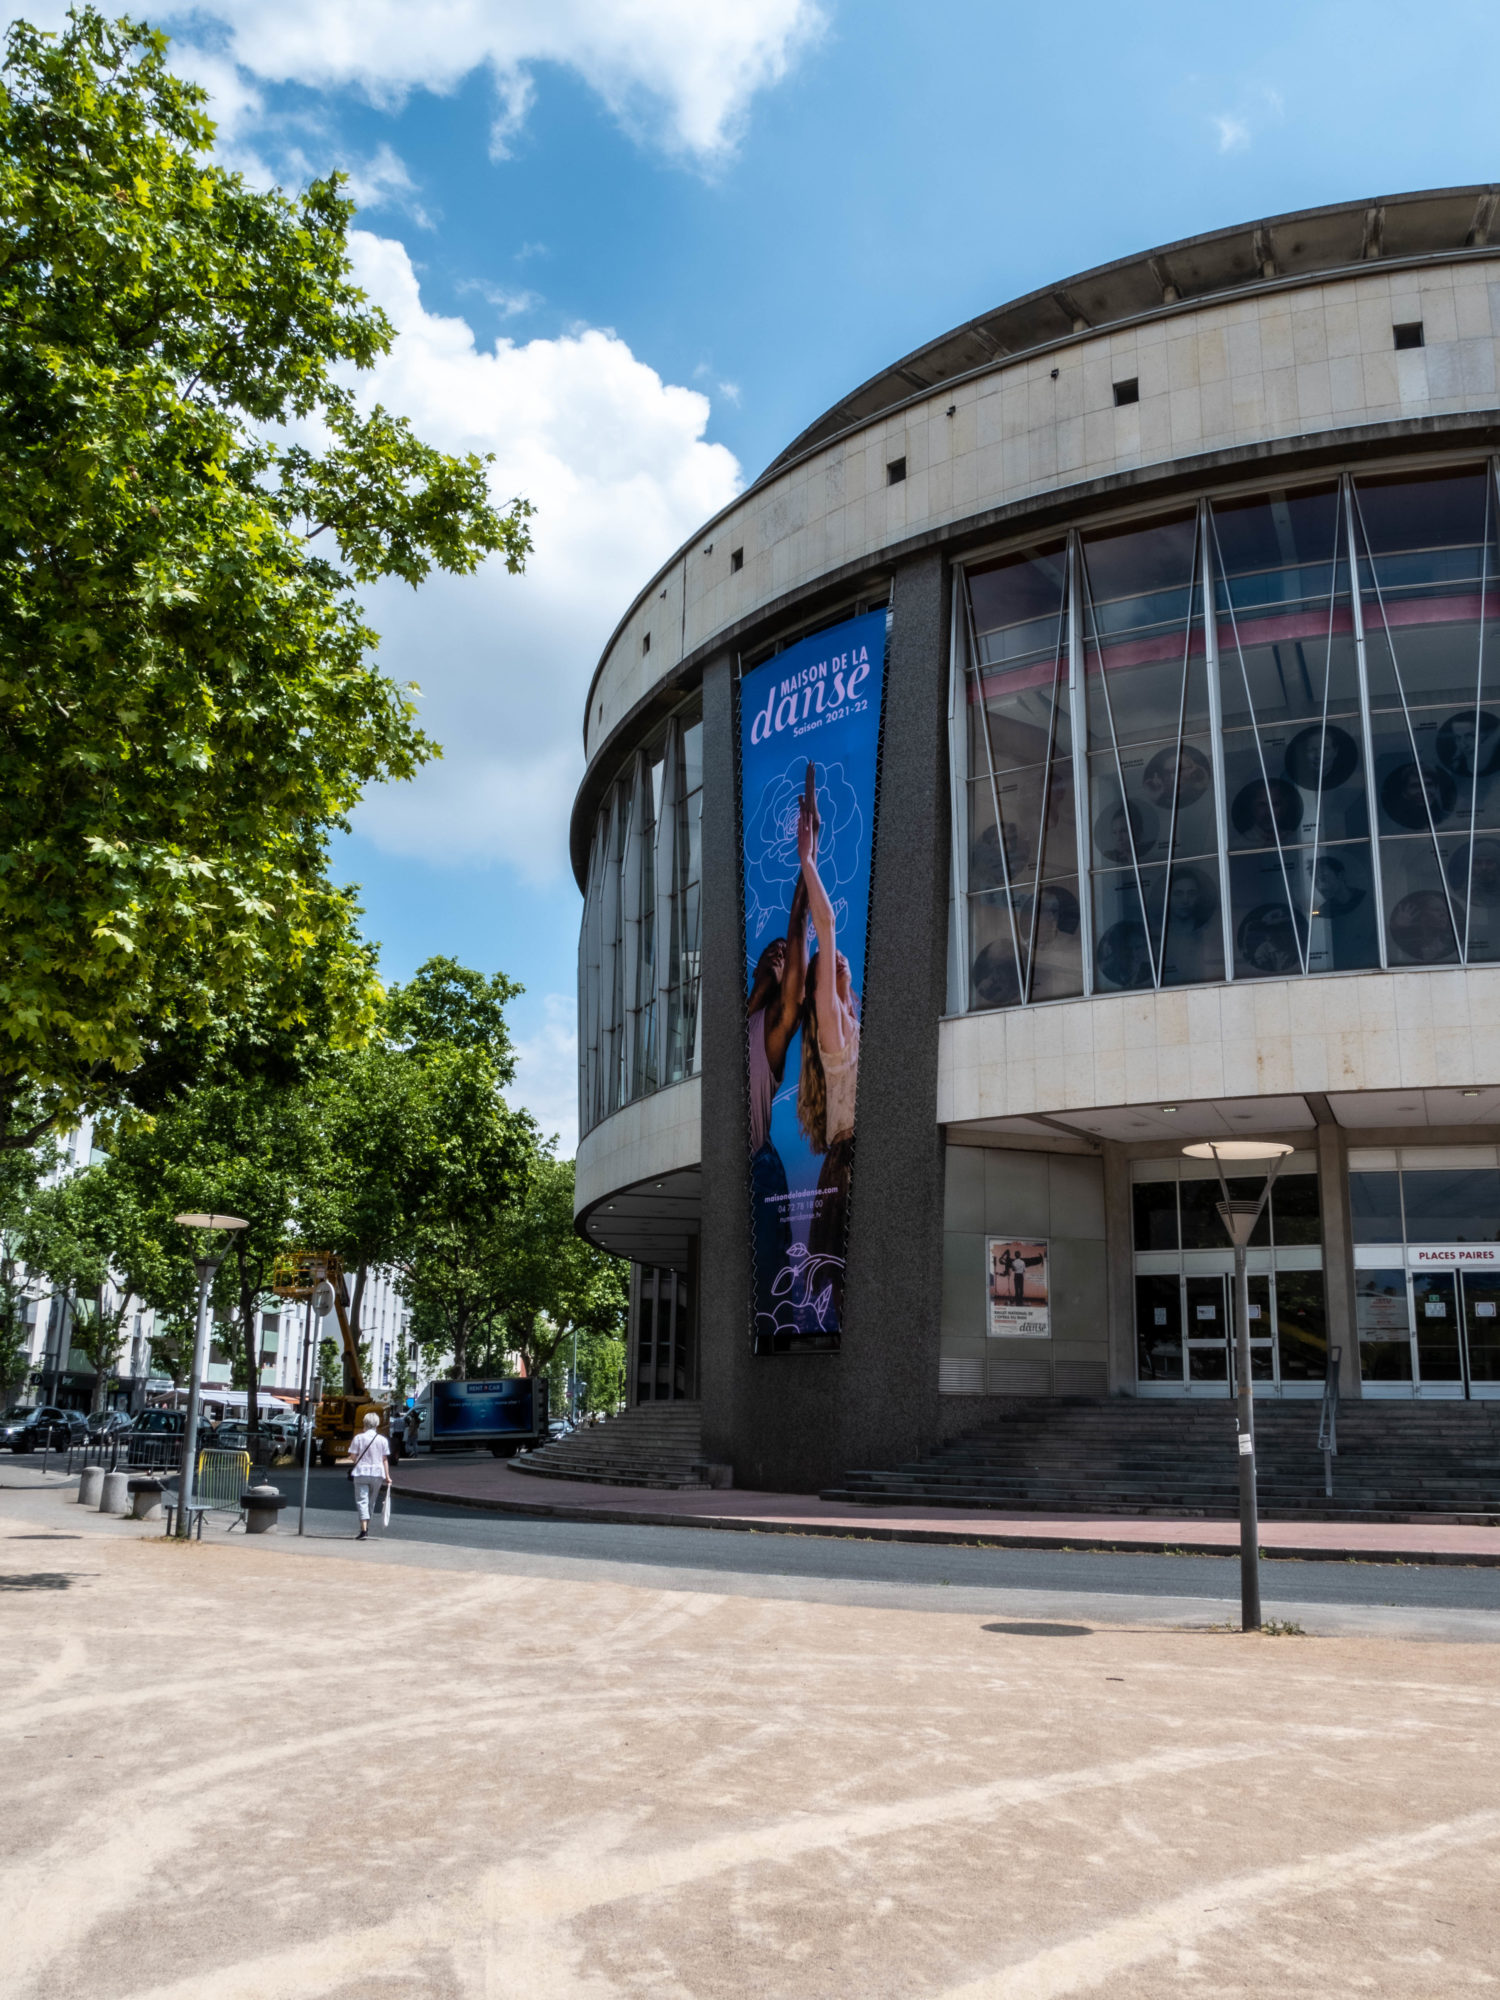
pixel 809 751
pixel 1018 1288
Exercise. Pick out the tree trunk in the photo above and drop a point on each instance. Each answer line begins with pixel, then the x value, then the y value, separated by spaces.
pixel 250 1334
pixel 96 1401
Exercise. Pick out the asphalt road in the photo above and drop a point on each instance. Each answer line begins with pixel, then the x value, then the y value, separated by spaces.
pixel 700 1553
pixel 331 1511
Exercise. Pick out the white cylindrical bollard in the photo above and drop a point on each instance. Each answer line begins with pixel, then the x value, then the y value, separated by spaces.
pixel 146 1495
pixel 115 1499
pixel 90 1486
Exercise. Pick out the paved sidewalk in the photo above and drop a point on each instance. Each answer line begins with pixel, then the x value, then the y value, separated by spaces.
pixel 598 1791
pixel 499 1487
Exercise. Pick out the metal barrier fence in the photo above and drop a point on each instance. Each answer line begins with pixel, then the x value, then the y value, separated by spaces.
pixel 153 1451
pixel 134 1450
pixel 221 1479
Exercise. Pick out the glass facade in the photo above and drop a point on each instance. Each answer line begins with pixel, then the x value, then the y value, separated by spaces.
pixel 1426 1225
pixel 663 1365
pixel 638 948
pixel 1183 1282
pixel 1251 738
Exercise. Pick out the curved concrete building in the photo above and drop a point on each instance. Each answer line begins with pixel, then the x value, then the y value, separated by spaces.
pixel 1188 827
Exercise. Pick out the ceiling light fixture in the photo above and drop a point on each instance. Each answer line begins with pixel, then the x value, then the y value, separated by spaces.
pixel 1169 1107
pixel 1468 1093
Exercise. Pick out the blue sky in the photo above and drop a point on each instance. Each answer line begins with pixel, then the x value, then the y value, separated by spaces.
pixel 690 225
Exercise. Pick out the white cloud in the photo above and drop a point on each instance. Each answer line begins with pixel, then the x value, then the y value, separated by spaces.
pixel 507 301
pixel 1259 105
pixel 383 181
pixel 616 463
pixel 680 74
pixel 547 1073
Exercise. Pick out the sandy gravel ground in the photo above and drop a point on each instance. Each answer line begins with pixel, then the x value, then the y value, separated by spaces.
pixel 234 1774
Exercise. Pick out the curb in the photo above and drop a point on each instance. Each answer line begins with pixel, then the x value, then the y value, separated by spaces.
pixel 859 1531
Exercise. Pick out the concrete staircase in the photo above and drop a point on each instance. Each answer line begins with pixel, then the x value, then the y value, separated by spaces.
pixel 1397 1461
pixel 656 1444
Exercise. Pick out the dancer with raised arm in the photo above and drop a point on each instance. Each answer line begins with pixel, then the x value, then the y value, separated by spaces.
pixel 830 1059
pixel 772 1012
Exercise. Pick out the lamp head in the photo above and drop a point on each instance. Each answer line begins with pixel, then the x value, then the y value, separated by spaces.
pixel 1239 1150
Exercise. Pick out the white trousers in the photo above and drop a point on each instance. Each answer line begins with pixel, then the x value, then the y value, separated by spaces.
pixel 367 1495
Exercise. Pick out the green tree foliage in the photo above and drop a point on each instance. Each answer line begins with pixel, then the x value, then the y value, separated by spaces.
pixel 21 1174
pixel 190 498
pixel 235 1146
pixel 99 1240
pixel 427 1162
pixel 538 1279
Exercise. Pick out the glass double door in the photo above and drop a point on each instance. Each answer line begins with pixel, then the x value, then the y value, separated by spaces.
pixel 1185 1333
pixel 1456 1317
pixel 1209 1331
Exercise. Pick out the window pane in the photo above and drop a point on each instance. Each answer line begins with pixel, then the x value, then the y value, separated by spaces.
pixel 1158 1329
pixel 1016 722
pixel 1201 1226
pixel 1018 605
pixel 1434 1304
pixel 1419 916
pixel 1301 1326
pixel 1285 624
pixel 1295 1216
pixel 1155 1208
pixel 1375 1207
pixel 1455 1205
pixel 1383 1321
pixel 1055 944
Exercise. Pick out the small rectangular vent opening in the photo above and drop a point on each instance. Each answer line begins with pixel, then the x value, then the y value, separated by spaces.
pixel 645 642
pixel 1409 334
pixel 736 559
pixel 1127 392
pixel 895 472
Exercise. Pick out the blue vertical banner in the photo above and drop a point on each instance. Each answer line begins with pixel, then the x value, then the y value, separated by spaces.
pixel 809 763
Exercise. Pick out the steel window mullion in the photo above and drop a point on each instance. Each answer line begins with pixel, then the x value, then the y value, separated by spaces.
pixel 958 765
pixel 989 758
pixel 1366 725
pixel 1047 778
pixel 1216 735
pixel 1303 944
pixel 1078 723
pixel 1109 711
pixel 1411 733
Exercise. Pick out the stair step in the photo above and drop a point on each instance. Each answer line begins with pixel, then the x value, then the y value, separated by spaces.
pixel 1129 1457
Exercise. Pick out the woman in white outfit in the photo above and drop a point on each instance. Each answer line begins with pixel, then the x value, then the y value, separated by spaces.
pixel 370 1469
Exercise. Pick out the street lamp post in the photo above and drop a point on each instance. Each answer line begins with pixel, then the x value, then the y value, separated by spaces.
pixel 319 1301
pixel 205 1266
pixel 1239 1219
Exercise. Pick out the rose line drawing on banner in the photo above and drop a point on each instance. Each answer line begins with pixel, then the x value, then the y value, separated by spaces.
pixel 771 861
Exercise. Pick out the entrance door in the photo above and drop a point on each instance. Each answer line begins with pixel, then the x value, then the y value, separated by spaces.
pixel 1207 1330
pixel 1434 1299
pixel 1457 1317
pixel 1481 1324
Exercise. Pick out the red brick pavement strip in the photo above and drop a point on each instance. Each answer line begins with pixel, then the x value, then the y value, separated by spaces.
pixel 500 1489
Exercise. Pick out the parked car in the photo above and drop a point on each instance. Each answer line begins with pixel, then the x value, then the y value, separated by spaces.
pixel 13 1423
pixel 105 1424
pixel 48 1425
pixel 154 1436
pixel 232 1435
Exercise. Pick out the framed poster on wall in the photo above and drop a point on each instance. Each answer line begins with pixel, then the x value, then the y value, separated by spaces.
pixel 1017 1279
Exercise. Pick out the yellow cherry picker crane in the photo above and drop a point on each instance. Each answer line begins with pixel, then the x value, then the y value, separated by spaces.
pixel 298 1273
